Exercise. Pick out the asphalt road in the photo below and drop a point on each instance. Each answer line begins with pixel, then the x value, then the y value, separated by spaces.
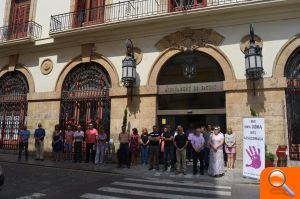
pixel 33 182
pixel 24 180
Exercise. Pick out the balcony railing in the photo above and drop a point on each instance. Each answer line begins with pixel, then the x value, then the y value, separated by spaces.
pixel 28 29
pixel 130 10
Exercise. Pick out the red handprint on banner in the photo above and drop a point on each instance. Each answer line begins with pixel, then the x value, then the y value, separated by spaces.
pixel 255 157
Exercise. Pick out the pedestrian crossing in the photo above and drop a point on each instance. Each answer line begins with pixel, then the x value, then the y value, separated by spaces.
pixel 128 188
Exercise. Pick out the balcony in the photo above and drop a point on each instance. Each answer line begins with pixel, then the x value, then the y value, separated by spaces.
pixel 131 10
pixel 26 30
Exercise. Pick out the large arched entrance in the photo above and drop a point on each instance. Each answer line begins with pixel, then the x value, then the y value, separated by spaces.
pixel 292 73
pixel 13 108
pixel 85 97
pixel 190 87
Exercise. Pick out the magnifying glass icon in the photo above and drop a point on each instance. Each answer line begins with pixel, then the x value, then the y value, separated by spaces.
pixel 277 179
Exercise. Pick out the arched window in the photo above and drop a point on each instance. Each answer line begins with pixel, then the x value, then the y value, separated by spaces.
pixel 85 97
pixel 292 73
pixel 13 107
pixel 190 67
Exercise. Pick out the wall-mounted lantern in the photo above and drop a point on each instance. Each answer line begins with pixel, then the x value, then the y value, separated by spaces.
pixel 129 66
pixel 253 60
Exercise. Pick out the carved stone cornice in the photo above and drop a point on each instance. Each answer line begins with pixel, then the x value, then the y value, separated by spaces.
pixel 190 39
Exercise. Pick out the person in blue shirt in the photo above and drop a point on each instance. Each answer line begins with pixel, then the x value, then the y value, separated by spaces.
pixel 23 144
pixel 39 135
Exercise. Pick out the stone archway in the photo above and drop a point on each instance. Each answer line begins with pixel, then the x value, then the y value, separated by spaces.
pixel 14 89
pixel 211 50
pixel 21 68
pixel 284 54
pixel 202 40
pixel 85 97
pixel 98 58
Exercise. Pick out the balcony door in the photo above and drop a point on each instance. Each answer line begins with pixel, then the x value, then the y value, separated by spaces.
pixel 19 17
pixel 88 12
pixel 179 5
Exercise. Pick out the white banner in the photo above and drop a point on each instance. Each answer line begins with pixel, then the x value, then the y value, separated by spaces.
pixel 254 147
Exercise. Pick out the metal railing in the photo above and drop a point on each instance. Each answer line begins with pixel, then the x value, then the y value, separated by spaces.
pixel 130 10
pixel 29 29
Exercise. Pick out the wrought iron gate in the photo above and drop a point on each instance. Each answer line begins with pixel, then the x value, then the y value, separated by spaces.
pixel 85 97
pixel 293 104
pixel 13 108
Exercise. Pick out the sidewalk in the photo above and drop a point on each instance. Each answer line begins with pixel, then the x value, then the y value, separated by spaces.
pixel 231 176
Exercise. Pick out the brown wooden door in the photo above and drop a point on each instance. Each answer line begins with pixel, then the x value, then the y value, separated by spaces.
pixel 19 18
pixel 96 11
pixel 88 12
pixel 79 13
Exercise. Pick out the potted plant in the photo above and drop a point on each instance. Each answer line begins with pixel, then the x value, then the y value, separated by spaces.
pixel 270 158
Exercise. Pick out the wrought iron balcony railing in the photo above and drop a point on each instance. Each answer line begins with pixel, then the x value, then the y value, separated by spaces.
pixel 130 10
pixel 29 29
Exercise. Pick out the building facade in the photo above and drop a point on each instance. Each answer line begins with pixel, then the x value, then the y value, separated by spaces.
pixel 61 62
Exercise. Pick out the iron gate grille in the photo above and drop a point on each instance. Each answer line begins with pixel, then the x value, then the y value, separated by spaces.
pixel 293 104
pixel 85 97
pixel 293 110
pixel 13 108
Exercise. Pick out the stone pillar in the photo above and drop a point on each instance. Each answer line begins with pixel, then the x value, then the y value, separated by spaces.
pixel 268 103
pixel 141 113
pixel 43 108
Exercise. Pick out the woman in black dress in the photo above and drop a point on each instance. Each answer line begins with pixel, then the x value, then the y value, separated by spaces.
pixel 57 144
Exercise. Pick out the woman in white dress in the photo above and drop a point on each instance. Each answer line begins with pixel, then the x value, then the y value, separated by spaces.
pixel 216 158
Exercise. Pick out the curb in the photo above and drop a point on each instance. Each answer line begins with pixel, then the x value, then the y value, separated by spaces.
pixel 61 167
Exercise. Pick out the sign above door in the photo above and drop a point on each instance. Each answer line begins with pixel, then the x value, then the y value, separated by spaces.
pixel 191 88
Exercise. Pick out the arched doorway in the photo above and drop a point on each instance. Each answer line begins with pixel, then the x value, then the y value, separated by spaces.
pixel 292 73
pixel 85 97
pixel 191 91
pixel 13 108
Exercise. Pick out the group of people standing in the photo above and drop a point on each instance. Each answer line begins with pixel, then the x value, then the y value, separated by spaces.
pixel 67 144
pixel 204 144
pixel 95 143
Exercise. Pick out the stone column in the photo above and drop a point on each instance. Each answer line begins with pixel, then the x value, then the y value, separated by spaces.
pixel 43 108
pixel 268 103
pixel 141 113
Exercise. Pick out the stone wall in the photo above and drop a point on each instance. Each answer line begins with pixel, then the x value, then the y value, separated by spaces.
pixel 46 112
pixel 268 104
pixel 141 113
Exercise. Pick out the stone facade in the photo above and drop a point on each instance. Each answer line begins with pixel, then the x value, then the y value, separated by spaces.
pixel 220 33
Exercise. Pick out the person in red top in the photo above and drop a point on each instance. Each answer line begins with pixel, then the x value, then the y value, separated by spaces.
pixel 90 139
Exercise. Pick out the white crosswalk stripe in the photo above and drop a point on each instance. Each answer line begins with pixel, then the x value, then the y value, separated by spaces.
pixel 147 193
pixel 159 188
pixel 187 183
pixel 97 196
pixel 33 196
pixel 169 188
